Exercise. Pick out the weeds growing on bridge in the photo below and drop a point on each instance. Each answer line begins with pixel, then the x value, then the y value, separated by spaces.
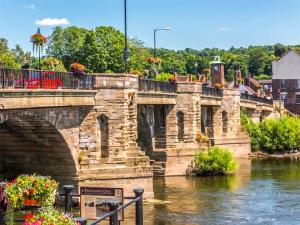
pixel 273 135
pixel 215 161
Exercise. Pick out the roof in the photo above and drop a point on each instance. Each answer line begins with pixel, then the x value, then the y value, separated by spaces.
pixel 265 81
pixel 288 67
pixel 242 88
pixel 254 82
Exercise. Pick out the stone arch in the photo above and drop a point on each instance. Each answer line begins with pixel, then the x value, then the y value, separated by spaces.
pixel 180 125
pixel 31 144
pixel 103 122
pixel 224 122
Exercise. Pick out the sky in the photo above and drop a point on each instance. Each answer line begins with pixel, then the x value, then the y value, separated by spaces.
pixel 195 24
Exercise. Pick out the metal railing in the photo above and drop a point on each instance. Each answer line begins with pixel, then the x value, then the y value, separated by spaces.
pixel 256 99
pixel 114 207
pixel 156 86
pixel 210 91
pixel 40 79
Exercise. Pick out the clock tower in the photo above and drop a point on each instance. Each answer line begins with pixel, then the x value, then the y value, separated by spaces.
pixel 217 72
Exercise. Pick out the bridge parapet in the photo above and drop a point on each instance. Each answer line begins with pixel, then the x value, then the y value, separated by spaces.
pixel 256 99
pixel 156 86
pixel 210 91
pixel 40 79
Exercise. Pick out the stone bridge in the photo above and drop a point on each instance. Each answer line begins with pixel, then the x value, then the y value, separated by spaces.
pixel 121 132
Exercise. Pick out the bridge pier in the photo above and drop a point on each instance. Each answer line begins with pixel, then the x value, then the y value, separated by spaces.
pixel 108 137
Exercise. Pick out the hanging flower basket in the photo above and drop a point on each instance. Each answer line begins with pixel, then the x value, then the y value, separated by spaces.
pixel 77 68
pixel 153 60
pixel 38 40
pixel 31 191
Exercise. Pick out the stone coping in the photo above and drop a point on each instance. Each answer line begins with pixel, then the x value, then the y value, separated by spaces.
pixel 115 75
pixel 6 93
pixel 158 93
pixel 47 90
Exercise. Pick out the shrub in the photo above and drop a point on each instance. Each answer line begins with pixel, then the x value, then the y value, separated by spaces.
pixel 215 161
pixel 263 77
pixel 31 190
pixel 164 77
pixel 48 216
pixel 273 135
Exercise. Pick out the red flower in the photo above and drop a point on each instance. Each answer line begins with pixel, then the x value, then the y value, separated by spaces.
pixel 28 216
pixel 29 202
pixel 14 181
pixel 31 191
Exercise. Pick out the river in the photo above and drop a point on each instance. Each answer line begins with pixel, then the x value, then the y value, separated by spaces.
pixel 261 192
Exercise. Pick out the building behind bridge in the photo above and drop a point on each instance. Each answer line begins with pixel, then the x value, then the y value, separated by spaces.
pixel 286 81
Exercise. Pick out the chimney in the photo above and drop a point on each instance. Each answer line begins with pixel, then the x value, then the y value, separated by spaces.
pixel 237 78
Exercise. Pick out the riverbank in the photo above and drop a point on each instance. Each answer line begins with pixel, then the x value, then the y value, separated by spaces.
pixel 259 154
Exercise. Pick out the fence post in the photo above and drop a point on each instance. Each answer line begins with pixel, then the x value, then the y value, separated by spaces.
pixel 68 198
pixel 139 220
pixel 113 206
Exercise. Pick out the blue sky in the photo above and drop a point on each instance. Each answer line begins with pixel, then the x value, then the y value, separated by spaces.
pixel 195 23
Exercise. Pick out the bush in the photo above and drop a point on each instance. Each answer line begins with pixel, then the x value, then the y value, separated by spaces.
pixel 31 190
pixel 215 161
pixel 273 135
pixel 164 77
pixel 263 77
pixel 48 216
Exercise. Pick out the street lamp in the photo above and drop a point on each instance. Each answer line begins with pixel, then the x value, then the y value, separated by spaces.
pixel 155 30
pixel 126 49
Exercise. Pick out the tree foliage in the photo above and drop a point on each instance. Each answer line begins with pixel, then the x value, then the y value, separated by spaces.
pixel 102 49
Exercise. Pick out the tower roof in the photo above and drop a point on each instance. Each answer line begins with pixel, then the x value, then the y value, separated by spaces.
pixel 217 60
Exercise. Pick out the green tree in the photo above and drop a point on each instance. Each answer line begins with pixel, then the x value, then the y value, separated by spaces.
pixel 257 60
pixel 279 50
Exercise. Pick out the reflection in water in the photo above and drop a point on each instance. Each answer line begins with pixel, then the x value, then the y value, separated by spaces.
pixel 262 192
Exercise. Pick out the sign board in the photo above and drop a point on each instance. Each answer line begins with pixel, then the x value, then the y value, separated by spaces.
pixel 93 201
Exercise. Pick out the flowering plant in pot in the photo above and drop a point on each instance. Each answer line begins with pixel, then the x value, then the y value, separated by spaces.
pixel 77 68
pixel 31 190
pixel 48 215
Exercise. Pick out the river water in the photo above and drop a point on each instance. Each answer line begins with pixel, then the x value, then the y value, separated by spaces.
pixel 261 192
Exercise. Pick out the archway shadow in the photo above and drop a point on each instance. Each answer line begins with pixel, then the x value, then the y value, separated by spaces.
pixel 30 145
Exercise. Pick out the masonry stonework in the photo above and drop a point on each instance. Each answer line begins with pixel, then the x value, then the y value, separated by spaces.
pixel 120 135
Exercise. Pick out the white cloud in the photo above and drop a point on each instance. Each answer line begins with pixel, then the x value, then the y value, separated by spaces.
pixel 31 6
pixel 52 21
pixel 224 29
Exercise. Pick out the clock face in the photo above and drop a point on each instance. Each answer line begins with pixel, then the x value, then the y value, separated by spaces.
pixel 216 68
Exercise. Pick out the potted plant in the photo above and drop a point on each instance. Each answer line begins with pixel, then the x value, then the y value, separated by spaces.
pixel 31 191
pixel 48 215
pixel 77 68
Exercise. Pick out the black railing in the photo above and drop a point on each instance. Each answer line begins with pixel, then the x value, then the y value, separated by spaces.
pixel 210 91
pixel 256 99
pixel 39 79
pixel 156 86
pixel 114 207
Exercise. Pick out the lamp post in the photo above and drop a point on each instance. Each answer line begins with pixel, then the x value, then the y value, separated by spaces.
pixel 126 49
pixel 155 30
